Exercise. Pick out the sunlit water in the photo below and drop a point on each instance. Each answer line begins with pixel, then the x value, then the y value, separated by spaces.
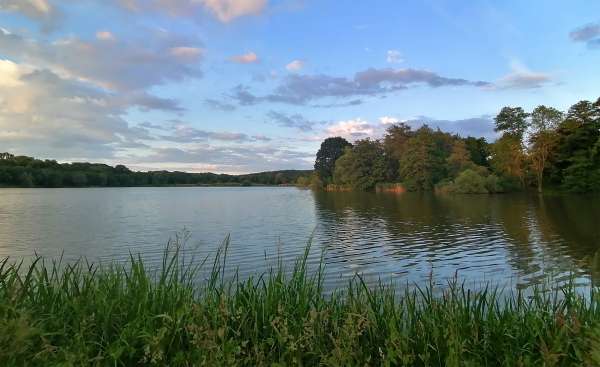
pixel 512 240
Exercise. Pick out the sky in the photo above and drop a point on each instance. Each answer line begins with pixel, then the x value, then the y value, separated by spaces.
pixel 238 86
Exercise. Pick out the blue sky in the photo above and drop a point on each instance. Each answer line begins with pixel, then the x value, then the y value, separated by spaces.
pixel 251 85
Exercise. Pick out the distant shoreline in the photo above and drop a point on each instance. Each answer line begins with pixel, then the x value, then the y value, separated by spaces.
pixel 133 186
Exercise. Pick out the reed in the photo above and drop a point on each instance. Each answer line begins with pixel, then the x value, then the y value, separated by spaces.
pixel 82 314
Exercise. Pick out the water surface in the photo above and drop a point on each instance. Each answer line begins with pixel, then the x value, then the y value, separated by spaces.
pixel 507 239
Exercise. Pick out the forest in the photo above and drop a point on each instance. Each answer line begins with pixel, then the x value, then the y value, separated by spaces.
pixel 22 171
pixel 544 150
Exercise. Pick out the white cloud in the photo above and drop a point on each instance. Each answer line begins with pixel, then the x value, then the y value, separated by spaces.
pixel 387 120
pixel 247 58
pixel 227 10
pixel 352 129
pixel 43 114
pixel 521 77
pixel 105 36
pixel 295 65
pixel 117 65
pixel 10 74
pixel 394 57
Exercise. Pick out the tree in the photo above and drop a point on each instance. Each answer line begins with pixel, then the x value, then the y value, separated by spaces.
pixel 423 163
pixel 512 121
pixel 543 139
pixel 579 167
pixel 331 149
pixel 479 150
pixel 362 166
pixel 508 157
pixel 394 144
pixel 459 159
pixel 395 140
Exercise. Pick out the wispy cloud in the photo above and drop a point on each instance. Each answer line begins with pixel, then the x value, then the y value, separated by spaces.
pixel 521 77
pixel 184 133
pixel 299 88
pixel 296 121
pixel 42 11
pixel 295 66
pixel 224 10
pixel 588 34
pixel 247 58
pixel 105 36
pixel 394 57
pixel 227 10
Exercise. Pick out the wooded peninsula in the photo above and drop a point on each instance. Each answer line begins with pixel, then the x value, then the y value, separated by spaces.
pixel 544 148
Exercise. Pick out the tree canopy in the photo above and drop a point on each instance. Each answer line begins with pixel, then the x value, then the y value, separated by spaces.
pixel 331 149
pixel 544 145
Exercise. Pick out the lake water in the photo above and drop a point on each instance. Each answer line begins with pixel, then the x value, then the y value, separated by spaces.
pixel 513 240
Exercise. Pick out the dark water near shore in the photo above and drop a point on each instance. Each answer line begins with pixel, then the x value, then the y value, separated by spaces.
pixel 514 240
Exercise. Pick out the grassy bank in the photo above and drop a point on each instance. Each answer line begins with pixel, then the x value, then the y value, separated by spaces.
pixel 53 314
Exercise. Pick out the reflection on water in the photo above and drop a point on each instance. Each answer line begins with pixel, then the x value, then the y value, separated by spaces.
pixel 515 238
pixel 506 239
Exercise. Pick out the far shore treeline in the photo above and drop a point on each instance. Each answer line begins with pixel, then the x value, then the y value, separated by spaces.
pixel 545 149
pixel 22 171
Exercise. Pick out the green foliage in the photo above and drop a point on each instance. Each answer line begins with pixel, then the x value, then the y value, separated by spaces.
pixel 492 184
pixel 479 150
pixel 424 161
pixel 545 118
pixel 576 159
pixel 330 151
pixel 21 171
pixel 362 166
pixel 315 181
pixel 459 159
pixel 512 121
pixel 508 158
pixel 470 182
pixel 127 315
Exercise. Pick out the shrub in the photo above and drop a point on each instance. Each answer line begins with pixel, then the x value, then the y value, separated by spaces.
pixel 492 184
pixel 470 182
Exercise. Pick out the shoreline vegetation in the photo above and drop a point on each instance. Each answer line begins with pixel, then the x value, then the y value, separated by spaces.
pixel 125 314
pixel 546 150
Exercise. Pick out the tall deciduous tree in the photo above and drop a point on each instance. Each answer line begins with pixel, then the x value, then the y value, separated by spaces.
pixel 543 139
pixel 512 121
pixel 579 133
pixel 331 149
pixel 508 157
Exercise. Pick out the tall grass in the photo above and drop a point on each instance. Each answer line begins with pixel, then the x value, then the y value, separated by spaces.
pixel 126 315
